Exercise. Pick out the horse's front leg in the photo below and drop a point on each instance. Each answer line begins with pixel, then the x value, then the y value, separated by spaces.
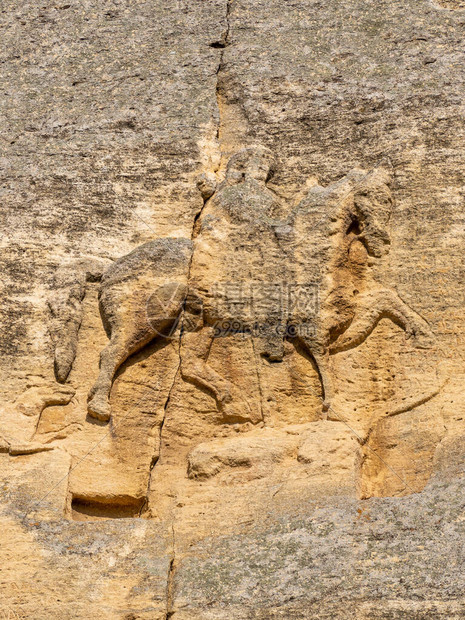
pixel 320 355
pixel 375 305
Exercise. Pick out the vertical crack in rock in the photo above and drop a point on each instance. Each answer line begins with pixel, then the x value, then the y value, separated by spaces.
pixel 171 572
pixel 225 42
pixel 178 369
pixel 222 44
pixel 259 379
pixel 156 459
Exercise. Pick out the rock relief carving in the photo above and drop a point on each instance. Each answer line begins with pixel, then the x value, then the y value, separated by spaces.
pixel 20 419
pixel 305 277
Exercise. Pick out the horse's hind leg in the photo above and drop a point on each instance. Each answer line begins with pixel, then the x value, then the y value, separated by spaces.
pixel 111 358
pixel 123 343
pixel 376 305
pixel 132 330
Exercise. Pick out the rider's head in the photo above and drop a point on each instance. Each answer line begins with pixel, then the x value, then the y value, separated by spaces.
pixel 252 162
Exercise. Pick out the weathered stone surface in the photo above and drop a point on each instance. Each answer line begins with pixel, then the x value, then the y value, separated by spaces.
pixel 250 214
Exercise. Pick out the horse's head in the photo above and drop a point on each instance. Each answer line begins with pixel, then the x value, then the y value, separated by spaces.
pixel 253 162
pixel 371 211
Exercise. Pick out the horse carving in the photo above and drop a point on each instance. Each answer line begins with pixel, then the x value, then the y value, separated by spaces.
pixel 252 266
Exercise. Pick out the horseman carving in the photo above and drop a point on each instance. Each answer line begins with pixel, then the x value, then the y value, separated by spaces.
pixel 325 248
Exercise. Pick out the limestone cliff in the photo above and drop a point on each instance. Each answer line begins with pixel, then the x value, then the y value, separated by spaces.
pixel 232 313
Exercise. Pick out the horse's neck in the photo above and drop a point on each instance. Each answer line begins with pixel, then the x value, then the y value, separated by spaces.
pixel 341 245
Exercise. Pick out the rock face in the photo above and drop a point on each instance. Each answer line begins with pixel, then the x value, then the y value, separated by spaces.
pixel 232 353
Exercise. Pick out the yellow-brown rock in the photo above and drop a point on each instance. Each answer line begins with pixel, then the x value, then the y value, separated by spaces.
pixel 233 311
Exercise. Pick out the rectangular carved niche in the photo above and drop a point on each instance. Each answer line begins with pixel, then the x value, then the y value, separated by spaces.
pixel 85 509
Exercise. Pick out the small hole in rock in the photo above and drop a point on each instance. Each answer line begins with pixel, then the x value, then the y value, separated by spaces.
pixel 354 227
